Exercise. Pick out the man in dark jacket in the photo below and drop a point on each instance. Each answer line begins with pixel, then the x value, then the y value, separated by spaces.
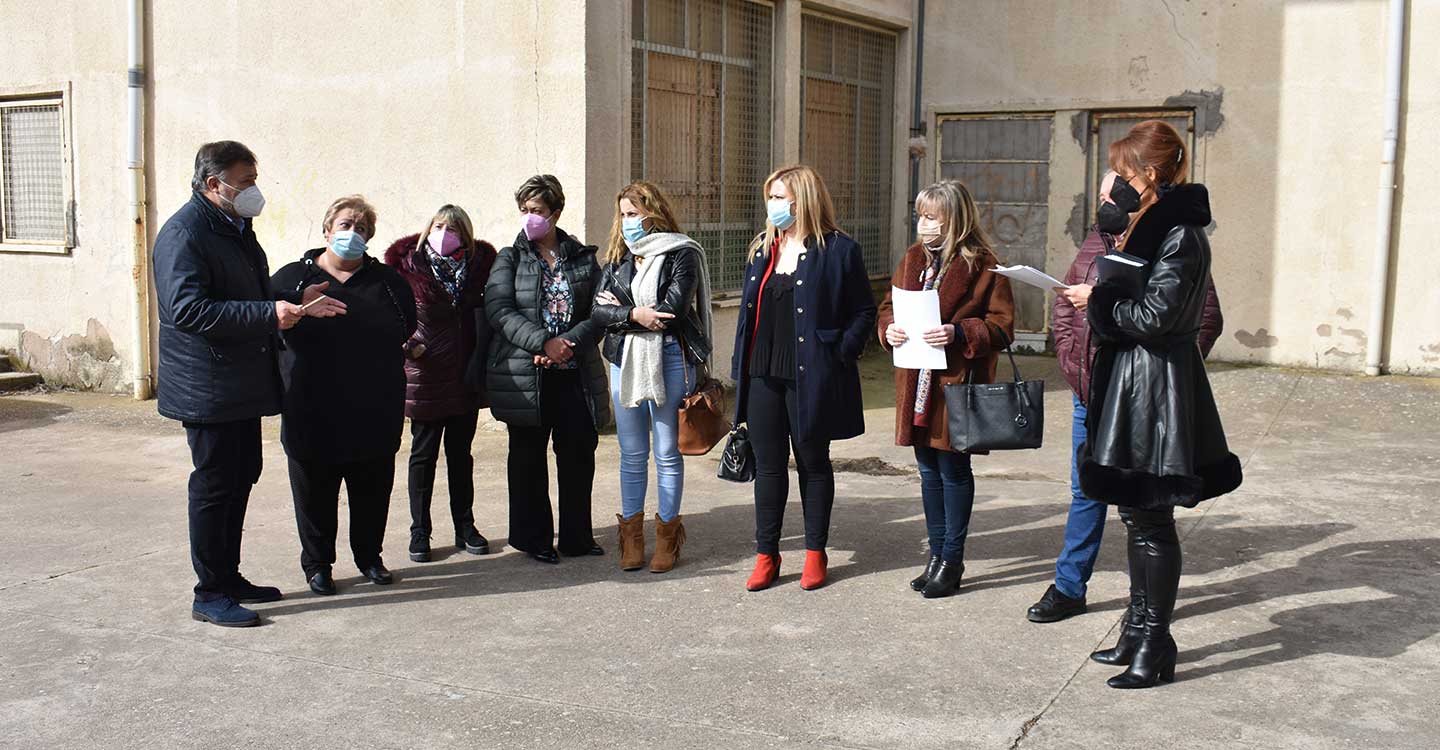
pixel 1076 352
pixel 219 325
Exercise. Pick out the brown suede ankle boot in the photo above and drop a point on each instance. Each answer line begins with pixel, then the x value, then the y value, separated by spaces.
pixel 632 541
pixel 669 537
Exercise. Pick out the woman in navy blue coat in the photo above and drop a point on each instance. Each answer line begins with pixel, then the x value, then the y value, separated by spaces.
pixel 807 311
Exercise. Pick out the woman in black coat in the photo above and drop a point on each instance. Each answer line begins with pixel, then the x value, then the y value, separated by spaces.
pixel 344 399
pixel 806 314
pixel 446 268
pixel 545 378
pixel 1154 435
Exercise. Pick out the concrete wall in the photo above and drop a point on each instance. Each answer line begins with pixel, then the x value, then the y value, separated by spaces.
pixel 1292 169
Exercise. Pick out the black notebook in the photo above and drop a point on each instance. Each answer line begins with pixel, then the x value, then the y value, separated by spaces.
pixel 1125 271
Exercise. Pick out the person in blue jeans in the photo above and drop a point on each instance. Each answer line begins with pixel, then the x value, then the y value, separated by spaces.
pixel 1085 525
pixel 654 303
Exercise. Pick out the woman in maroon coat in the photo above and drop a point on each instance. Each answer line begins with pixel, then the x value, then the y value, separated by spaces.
pixel 447 269
pixel 977 313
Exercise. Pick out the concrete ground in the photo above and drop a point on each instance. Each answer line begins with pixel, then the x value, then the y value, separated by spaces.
pixel 1308 616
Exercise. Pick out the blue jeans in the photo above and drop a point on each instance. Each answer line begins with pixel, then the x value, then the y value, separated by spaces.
pixel 1084 526
pixel 947 488
pixel 635 427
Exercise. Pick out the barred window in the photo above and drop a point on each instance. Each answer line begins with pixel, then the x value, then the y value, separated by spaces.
pixel 702 119
pixel 847 123
pixel 33 190
pixel 1004 159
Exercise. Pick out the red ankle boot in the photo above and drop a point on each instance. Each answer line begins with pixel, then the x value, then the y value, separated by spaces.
pixel 813 576
pixel 767 569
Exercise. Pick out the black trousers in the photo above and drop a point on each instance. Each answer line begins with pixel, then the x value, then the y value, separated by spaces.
pixel 227 464
pixel 456 433
pixel 564 419
pixel 316 489
pixel 771 412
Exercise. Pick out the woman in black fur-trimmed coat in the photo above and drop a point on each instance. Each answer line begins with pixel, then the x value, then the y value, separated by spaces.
pixel 1155 438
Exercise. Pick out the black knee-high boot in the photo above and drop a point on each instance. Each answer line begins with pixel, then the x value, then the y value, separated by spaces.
pixel 1134 623
pixel 1156 547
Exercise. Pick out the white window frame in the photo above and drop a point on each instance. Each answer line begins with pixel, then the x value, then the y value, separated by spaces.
pixel 45 95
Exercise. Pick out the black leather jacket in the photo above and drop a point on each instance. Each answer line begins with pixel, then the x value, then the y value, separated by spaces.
pixel 679 278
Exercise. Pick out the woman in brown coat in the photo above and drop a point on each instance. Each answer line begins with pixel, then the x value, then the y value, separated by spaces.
pixel 953 257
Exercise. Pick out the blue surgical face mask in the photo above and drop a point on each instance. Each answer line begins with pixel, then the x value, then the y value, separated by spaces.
pixel 347 245
pixel 632 228
pixel 779 212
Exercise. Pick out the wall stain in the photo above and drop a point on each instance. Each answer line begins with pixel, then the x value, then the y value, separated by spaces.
pixel 1354 333
pixel 1078 225
pixel 1207 103
pixel 86 360
pixel 1323 330
pixel 1345 313
pixel 1260 339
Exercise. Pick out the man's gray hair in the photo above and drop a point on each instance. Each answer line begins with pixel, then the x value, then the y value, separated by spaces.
pixel 214 158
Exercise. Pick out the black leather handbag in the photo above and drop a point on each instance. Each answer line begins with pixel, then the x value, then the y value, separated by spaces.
pixel 996 416
pixel 737 461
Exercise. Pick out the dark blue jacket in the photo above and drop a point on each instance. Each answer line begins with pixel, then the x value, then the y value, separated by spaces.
pixel 834 317
pixel 218 332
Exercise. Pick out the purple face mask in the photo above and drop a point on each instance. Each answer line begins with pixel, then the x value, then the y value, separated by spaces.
pixel 444 241
pixel 536 226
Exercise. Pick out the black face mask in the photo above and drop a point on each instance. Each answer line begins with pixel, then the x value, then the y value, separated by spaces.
pixel 1113 217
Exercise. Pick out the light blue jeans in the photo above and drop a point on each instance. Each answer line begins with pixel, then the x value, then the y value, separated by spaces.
pixel 636 427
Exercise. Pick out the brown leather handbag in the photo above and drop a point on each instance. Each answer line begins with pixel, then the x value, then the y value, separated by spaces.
pixel 702 418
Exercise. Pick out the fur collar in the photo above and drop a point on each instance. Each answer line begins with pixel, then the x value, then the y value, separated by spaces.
pixel 1180 205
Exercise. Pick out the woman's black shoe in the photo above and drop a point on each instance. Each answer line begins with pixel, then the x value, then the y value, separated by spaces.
pixel 547 556
pixel 945 582
pixel 1130 631
pixel 1055 606
pixel 419 547
pixel 593 549
pixel 1153 664
pixel 918 582
pixel 472 541
pixel 323 583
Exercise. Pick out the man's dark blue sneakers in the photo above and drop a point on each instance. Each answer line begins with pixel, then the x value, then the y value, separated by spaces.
pixel 225 612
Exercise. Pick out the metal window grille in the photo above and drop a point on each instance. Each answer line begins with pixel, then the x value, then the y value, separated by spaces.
pixel 846 128
pixel 1108 127
pixel 701 118
pixel 1004 160
pixel 32 173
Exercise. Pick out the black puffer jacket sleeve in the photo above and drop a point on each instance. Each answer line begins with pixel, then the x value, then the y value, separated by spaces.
pixel 500 307
pixel 684 278
pixel 587 332
pixel 1173 279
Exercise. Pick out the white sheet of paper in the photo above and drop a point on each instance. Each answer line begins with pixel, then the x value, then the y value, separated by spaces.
pixel 1031 276
pixel 916 313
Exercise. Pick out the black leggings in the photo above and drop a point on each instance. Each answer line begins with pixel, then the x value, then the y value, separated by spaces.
pixel 771 412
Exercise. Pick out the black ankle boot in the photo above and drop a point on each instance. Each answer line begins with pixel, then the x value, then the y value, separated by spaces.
pixel 945 582
pixel 1153 664
pixel 918 582
pixel 1130 631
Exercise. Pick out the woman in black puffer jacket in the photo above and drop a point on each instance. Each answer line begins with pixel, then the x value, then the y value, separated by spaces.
pixel 447 270
pixel 544 374
pixel 1154 438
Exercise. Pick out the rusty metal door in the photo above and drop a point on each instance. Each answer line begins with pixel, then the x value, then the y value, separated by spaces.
pixel 1005 161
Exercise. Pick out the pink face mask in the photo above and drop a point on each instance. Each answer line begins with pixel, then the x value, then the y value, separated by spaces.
pixel 444 241
pixel 536 226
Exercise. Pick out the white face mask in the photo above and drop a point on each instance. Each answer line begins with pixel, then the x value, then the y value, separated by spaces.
pixel 247 203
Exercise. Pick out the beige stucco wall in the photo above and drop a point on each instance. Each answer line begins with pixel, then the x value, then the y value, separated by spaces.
pixel 1292 170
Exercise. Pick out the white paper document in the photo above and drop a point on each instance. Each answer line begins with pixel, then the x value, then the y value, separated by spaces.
pixel 916 313
pixel 1031 276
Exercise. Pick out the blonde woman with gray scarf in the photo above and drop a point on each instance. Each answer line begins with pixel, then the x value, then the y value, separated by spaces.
pixel 654 303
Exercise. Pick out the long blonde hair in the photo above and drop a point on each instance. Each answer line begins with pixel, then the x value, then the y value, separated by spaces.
pixel 455 218
pixel 652 204
pixel 963 234
pixel 814 211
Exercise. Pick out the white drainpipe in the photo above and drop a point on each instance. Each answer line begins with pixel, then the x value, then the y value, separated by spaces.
pixel 1379 296
pixel 135 164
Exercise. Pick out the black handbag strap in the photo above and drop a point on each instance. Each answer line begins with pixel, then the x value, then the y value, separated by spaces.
pixel 1014 368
